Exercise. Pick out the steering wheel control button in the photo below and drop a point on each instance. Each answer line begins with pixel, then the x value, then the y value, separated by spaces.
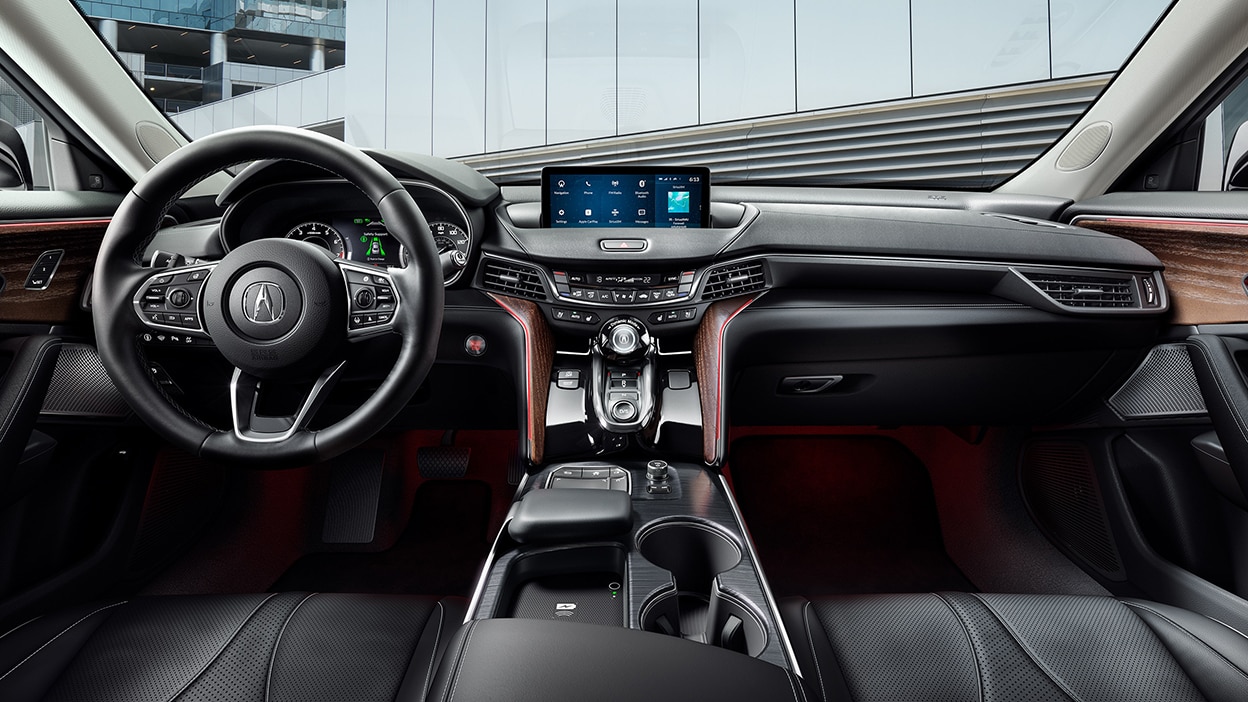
pixel 365 297
pixel 178 297
pixel 475 346
pixel 169 300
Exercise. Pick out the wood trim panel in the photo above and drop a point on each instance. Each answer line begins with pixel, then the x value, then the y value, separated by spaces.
pixel 708 358
pixel 539 359
pixel 20 245
pixel 1206 263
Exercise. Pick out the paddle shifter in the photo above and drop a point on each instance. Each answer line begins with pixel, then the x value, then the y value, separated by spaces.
pixel 623 375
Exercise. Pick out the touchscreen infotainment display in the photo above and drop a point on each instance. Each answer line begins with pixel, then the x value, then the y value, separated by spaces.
pixel 626 196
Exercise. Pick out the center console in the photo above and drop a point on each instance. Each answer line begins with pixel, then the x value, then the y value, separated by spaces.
pixel 663 552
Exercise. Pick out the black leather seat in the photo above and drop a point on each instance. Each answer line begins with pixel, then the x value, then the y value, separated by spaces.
pixel 287 646
pixel 958 646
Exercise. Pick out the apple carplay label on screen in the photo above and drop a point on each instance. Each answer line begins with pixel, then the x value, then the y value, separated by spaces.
pixel 625 198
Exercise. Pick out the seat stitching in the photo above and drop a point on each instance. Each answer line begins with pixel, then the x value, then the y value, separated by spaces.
pixel 463 653
pixel 1219 382
pixel 224 646
pixel 979 673
pixel 1190 635
pixel 19 626
pixel 823 690
pixel 436 637
pixel 268 677
pixel 54 638
pixel 1035 659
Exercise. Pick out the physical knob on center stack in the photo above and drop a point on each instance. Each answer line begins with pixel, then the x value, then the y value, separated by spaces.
pixel 624 336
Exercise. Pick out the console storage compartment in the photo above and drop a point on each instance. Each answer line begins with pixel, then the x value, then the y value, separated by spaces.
pixel 570 583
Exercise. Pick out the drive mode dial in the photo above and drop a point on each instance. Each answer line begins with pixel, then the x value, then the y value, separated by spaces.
pixel 622 337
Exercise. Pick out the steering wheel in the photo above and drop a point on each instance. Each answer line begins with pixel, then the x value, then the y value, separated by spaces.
pixel 279 310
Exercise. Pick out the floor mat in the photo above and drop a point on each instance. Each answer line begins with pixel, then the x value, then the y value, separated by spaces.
pixel 833 515
pixel 439 553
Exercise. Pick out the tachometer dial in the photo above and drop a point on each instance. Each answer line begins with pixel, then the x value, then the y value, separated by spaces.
pixel 322 235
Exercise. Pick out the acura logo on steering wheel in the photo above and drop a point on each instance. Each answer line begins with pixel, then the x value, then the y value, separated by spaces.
pixel 264 302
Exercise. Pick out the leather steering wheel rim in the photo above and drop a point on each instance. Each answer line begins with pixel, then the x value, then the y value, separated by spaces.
pixel 120 277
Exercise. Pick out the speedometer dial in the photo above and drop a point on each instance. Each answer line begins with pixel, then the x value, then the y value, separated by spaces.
pixel 322 235
pixel 449 237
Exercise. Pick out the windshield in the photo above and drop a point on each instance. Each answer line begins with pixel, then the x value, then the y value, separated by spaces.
pixel 931 93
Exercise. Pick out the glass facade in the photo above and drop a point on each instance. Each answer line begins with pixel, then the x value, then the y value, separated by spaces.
pixel 325 19
pixel 485 76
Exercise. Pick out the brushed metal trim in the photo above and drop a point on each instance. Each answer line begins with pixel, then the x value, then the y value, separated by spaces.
pixel 748 542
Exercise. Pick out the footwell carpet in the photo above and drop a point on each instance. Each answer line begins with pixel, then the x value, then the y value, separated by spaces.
pixel 841 514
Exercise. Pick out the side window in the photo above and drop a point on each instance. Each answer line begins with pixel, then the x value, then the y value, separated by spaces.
pixel 1226 140
pixel 24 161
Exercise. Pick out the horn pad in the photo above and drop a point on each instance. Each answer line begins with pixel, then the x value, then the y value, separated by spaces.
pixel 276 308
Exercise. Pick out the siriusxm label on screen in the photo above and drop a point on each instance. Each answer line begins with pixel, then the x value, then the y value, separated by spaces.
pixel 668 199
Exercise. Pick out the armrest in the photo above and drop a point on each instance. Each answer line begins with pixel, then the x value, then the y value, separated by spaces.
pixel 527 659
pixel 567 515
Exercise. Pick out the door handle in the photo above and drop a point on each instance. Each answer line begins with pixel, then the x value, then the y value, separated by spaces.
pixel 808 384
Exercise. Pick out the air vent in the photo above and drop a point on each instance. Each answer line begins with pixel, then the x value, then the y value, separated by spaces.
pixel 1085 291
pixel 513 279
pixel 735 279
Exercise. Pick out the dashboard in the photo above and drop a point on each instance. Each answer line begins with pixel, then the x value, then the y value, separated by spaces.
pixel 790 306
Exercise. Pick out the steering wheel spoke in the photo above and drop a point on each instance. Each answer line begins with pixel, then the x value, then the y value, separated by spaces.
pixel 372 300
pixel 251 426
pixel 171 300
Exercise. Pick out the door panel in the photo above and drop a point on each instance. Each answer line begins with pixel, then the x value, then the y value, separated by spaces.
pixel 1182 530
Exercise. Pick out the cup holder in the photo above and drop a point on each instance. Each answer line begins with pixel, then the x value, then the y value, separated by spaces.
pixel 695 608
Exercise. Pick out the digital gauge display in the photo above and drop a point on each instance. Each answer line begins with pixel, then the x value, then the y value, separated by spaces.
pixel 372 243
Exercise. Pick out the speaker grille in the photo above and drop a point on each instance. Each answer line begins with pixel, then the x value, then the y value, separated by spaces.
pixel 81 387
pixel 1163 386
pixel 1059 486
pixel 1085 148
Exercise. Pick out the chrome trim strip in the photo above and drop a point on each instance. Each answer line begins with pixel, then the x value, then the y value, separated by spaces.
pixel 479 591
pixel 309 406
pixel 762 577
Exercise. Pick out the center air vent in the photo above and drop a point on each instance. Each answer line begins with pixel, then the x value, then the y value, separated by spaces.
pixel 1085 291
pixel 513 279
pixel 734 279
